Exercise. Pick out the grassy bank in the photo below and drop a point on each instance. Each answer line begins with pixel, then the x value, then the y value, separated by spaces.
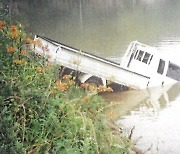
pixel 39 113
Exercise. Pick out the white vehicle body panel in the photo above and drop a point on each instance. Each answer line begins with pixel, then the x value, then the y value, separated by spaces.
pixel 134 73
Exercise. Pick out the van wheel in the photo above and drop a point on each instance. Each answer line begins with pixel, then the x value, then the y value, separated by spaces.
pixel 95 81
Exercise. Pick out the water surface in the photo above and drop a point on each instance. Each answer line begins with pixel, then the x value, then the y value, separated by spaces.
pixel 106 27
pixel 154 114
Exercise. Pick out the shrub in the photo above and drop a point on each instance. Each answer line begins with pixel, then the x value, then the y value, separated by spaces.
pixel 40 113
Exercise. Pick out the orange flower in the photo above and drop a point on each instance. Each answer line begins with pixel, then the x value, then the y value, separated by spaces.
pixel 104 89
pixel 1 27
pixel 23 52
pixel 14 35
pixel 61 85
pixel 3 23
pixel 19 61
pixel 58 83
pixel 40 70
pixel 10 49
pixel 86 99
pixel 85 85
pixel 92 88
pixel 38 43
pixel 66 77
pixel 29 40
pixel 13 28
pixel 53 91
pixel 109 89
pixel 101 88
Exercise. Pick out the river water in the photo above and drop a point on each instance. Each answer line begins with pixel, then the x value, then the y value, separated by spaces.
pixel 106 27
pixel 153 114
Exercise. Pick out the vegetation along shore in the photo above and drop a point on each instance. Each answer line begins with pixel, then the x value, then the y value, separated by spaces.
pixel 40 113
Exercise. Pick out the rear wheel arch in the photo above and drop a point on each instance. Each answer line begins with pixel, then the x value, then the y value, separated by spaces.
pixel 87 78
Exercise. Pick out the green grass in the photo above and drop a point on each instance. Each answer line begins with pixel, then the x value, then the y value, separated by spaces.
pixel 40 113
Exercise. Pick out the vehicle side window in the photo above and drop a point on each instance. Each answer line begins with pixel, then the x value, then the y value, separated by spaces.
pixel 146 57
pixel 143 56
pixel 140 55
pixel 161 66
pixel 173 71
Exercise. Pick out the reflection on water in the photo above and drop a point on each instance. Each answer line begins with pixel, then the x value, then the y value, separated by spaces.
pixel 154 113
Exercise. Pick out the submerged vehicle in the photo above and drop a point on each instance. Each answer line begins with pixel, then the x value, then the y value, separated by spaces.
pixel 141 67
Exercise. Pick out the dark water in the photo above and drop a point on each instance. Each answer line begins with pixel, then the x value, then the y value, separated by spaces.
pixel 106 27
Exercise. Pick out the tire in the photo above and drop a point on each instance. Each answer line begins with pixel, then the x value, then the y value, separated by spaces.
pixel 94 81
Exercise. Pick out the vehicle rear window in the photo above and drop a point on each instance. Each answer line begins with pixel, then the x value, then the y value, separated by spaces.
pixel 140 55
pixel 146 57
